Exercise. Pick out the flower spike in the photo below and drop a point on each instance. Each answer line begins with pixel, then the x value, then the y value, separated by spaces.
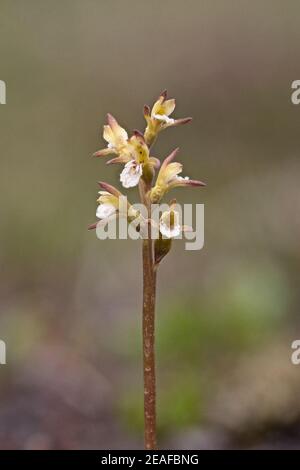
pixel 156 231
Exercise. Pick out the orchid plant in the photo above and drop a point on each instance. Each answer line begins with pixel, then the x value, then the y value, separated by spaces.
pixel 140 168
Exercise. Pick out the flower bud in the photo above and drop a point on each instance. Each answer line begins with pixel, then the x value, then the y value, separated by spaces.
pixel 162 247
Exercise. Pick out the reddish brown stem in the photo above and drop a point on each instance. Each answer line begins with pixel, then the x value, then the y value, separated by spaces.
pixel 149 294
pixel 149 290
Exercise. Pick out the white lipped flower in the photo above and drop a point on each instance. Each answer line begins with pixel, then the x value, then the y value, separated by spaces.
pixel 168 178
pixel 169 224
pixel 162 109
pixel 131 174
pixel 158 118
pixel 108 205
pixel 133 152
pixel 112 204
pixel 116 138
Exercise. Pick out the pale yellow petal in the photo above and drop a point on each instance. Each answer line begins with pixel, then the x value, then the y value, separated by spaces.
pixel 120 133
pixel 117 135
pixel 170 172
pixel 108 134
pixel 168 107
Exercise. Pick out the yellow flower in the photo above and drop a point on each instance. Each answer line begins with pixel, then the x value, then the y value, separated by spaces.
pixel 111 204
pixel 116 138
pixel 159 117
pixel 162 109
pixel 137 161
pixel 108 205
pixel 134 152
pixel 168 178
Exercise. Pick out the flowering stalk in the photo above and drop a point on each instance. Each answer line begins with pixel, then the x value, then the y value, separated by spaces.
pixel 149 295
pixel 149 291
pixel 139 169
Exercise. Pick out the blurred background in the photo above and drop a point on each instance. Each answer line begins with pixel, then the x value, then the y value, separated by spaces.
pixel 71 304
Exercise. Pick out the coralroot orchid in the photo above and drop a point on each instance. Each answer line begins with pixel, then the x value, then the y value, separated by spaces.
pixel 168 178
pixel 159 117
pixel 139 169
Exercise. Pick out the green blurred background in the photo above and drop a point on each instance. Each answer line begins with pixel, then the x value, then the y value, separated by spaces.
pixel 71 304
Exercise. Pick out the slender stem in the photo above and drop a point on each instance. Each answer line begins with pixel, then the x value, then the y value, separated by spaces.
pixel 149 293
pixel 149 289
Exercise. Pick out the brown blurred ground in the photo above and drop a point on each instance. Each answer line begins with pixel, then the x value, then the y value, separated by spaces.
pixel 70 304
